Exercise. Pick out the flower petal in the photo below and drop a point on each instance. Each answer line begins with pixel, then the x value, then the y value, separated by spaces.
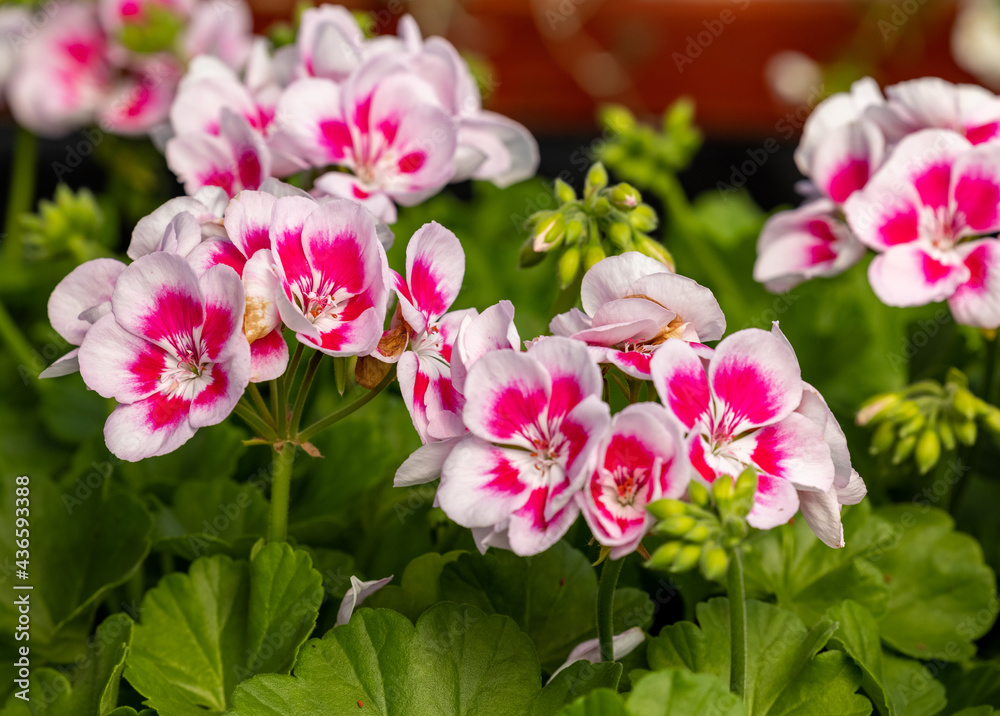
pixel 915 276
pixel 574 375
pixel 481 484
pixel 435 267
pixel 611 278
pixel 268 357
pixel 681 382
pixel 506 394
pixel 977 301
pixel 88 285
pixel 775 502
pixel 153 426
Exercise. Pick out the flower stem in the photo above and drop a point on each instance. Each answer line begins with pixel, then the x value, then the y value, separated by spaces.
pixel 737 625
pixel 22 191
pixel 606 607
pixel 261 406
pixel 281 488
pixel 300 398
pixel 339 415
pixel 284 386
pixel 15 340
pixel 256 423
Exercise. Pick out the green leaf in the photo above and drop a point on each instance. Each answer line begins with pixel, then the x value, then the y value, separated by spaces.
pixel 418 589
pixel 213 517
pixel 552 596
pixel 978 711
pixel 941 594
pixel 976 684
pixel 912 688
pixel 600 702
pixel 89 686
pixel 784 674
pixel 79 551
pixel 576 680
pixel 203 632
pixel 456 661
pixel 807 577
pixel 678 692
pixel 129 711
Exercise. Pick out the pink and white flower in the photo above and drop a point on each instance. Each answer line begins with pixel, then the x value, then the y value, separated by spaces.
pixel 435 266
pixel 206 207
pixel 739 411
pixel 804 243
pixel 632 306
pixel 235 159
pixel 76 303
pixel 936 191
pixel 333 277
pixel 384 124
pixel 171 353
pixel 933 103
pixel 643 458
pixel 535 419
pixel 478 334
pixel 246 249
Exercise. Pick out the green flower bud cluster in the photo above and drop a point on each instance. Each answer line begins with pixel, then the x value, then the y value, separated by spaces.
pixel 70 223
pixel 605 221
pixel 705 528
pixel 157 31
pixel 642 155
pixel 925 419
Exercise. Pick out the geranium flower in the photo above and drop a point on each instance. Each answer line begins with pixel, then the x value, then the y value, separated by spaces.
pixel 643 458
pixel 810 241
pixel 234 160
pixel 76 303
pixel 206 207
pixel 246 249
pixel 535 419
pixel 739 412
pixel 384 124
pixel 632 305
pixel 934 192
pixel 478 334
pixel 171 353
pixel 333 275
pixel 435 266
pixel 930 102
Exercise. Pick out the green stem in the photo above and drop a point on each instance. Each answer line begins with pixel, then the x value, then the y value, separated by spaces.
pixel 300 398
pixel 21 194
pixel 737 625
pixel 281 488
pixel 255 422
pixel 284 386
pixel 990 368
pixel 261 406
pixel 606 607
pixel 336 416
pixel 16 341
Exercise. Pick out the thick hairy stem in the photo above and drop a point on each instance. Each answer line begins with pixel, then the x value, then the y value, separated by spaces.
pixel 606 607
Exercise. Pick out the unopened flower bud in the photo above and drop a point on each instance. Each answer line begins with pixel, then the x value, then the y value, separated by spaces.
pixel 576 232
pixel 876 407
pixel 928 450
pixel 617 119
pixel 654 250
pixel 883 438
pixel 912 426
pixel 676 526
pixel 528 257
pixel 947 435
pixel 564 192
pixel 714 563
pixel 904 448
pixel 549 232
pixel 592 255
pixel 965 431
pixel 964 403
pixel 698 494
pixel 597 179
pixel 625 197
pixel 602 206
pixel 621 235
pixel 643 218
pixel 687 558
pixel 743 493
pixel 662 509
pixel 903 411
pixel 569 266
pixel 992 420
pixel 698 534
pixel 664 557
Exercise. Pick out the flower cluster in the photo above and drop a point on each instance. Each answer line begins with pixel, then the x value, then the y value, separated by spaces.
pixel 913 175
pixel 524 441
pixel 393 118
pixel 112 62
pixel 176 336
